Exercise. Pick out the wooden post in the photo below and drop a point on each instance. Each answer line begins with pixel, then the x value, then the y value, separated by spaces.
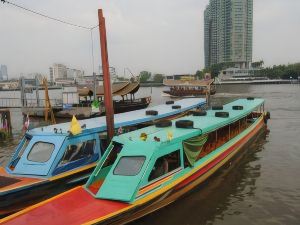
pixel 48 107
pixel 106 77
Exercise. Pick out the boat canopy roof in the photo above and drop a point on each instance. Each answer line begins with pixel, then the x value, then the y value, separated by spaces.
pixel 118 89
pixel 189 83
pixel 98 124
pixel 202 125
pixel 131 88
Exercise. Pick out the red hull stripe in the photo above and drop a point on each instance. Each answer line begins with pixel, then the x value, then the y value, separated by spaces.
pixel 75 207
pixel 219 158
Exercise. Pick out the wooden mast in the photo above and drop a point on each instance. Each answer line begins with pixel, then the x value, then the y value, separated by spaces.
pixel 48 107
pixel 106 77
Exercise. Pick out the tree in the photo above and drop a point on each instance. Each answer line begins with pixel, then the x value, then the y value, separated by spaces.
pixel 199 74
pixel 144 76
pixel 158 78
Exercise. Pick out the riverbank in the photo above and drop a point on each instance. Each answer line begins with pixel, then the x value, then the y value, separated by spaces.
pixel 262 188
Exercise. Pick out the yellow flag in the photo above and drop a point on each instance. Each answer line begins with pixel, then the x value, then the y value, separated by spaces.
pixel 143 136
pixel 169 135
pixel 75 126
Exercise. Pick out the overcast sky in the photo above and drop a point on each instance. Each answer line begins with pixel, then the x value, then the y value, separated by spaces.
pixel 161 36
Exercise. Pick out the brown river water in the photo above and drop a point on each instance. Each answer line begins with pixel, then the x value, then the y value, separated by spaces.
pixel 263 187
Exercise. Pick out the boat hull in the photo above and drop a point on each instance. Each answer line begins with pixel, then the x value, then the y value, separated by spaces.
pixel 169 196
pixel 58 211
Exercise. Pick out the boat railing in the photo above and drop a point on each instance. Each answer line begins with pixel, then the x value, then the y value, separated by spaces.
pixel 33 102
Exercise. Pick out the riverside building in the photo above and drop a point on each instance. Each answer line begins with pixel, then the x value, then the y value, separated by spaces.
pixel 228 31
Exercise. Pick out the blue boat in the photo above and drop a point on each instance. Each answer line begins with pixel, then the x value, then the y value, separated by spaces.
pixel 49 160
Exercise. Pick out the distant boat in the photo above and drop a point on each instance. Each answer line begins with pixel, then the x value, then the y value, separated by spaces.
pixel 83 109
pixel 246 76
pixel 147 169
pixel 189 88
pixel 49 159
pixel 78 101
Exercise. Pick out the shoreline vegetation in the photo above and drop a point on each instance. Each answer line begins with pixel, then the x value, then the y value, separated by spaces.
pixel 285 72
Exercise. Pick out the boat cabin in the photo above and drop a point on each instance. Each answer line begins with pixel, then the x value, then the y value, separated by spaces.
pixel 49 151
pixel 49 155
pixel 144 161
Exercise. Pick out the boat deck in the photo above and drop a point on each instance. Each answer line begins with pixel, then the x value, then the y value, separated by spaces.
pixel 81 207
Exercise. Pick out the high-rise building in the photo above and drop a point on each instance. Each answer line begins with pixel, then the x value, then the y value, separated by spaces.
pixel 3 72
pixel 58 71
pixel 228 31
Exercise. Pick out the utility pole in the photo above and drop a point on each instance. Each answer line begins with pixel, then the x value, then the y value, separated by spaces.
pixel 106 77
pixel 95 86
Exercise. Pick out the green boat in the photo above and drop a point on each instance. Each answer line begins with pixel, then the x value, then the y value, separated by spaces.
pixel 147 169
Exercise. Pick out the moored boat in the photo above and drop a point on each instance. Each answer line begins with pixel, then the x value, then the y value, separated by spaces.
pixel 190 88
pixel 49 159
pixel 144 170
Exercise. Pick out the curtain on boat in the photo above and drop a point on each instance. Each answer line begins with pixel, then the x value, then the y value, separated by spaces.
pixel 193 146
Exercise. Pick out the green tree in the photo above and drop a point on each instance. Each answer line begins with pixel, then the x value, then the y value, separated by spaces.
pixel 280 71
pixel 158 78
pixel 200 74
pixel 144 76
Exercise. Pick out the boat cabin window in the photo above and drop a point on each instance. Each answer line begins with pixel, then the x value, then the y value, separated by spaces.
pixel 40 152
pixel 165 164
pixel 129 165
pixel 111 158
pixel 24 146
pixel 78 151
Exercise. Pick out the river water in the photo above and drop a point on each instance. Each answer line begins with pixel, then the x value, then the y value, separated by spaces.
pixel 263 187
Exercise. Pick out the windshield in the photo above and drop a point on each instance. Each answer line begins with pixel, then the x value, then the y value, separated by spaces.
pixel 129 165
pixel 40 152
pixel 23 145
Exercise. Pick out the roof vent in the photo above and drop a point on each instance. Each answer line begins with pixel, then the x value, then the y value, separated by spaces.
pixel 217 107
pixel 176 106
pixel 151 113
pixel 169 102
pixel 222 114
pixel 237 107
pixel 250 98
pixel 164 123
pixel 185 124
pixel 199 113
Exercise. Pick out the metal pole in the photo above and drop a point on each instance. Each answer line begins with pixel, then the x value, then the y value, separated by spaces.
pixel 106 77
pixel 93 65
pixel 95 86
pixel 37 92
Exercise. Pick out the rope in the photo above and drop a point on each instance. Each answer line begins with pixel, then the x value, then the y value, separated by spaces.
pixel 48 17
